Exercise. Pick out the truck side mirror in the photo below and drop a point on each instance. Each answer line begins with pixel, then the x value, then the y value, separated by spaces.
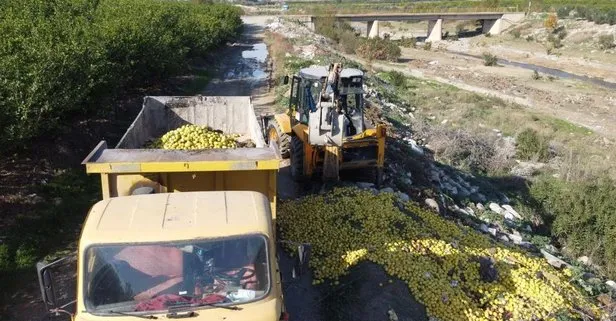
pixel 285 80
pixel 46 284
pixel 55 296
pixel 303 256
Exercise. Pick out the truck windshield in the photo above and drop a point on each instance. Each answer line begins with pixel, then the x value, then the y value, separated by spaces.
pixel 155 277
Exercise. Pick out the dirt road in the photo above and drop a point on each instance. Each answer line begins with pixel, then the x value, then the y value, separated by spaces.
pixel 243 68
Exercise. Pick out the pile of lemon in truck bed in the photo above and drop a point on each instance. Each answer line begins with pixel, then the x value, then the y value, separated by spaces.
pixel 456 272
pixel 195 137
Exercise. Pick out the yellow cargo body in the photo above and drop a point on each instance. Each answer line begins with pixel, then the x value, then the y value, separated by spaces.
pixel 130 166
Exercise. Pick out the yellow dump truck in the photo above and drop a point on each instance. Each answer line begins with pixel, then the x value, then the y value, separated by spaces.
pixel 207 253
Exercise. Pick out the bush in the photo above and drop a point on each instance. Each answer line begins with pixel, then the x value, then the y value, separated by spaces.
pixel 563 12
pixel 340 32
pixel 530 38
pixel 397 78
pixel 551 22
pixel 516 33
pixel 467 150
pixel 532 146
pixel 536 75
pixel 489 59
pixel 606 42
pixel 427 46
pixel 581 215
pixel 349 42
pixel 63 58
pixel 408 42
pixel 555 41
pixel 378 49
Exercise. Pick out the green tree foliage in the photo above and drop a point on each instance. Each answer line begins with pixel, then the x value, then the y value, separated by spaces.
pixel 60 58
pixel 582 217
pixel 378 49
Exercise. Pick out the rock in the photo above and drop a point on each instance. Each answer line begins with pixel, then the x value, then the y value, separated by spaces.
pixel 469 210
pixel 493 231
pixel 554 261
pixel 504 198
pixel 387 190
pixel 503 238
pixel 478 197
pixel 510 209
pixel 433 62
pixel 484 228
pixel 496 208
pixel 508 216
pixel 487 269
pixel 516 239
pixel 528 229
pixel 551 248
pixel 584 260
pixel 432 204
pixel 364 185
pixel 453 190
pixel 611 284
pixel 403 196
pixel 480 207
pixel 463 192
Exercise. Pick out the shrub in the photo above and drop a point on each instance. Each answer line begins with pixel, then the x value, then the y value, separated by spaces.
pixel 606 42
pixel 461 27
pixel 536 75
pixel 427 46
pixel 489 59
pixel 530 38
pixel 581 215
pixel 516 33
pixel 468 150
pixel 563 12
pixel 5 257
pixel 397 78
pixel 62 58
pixel 349 42
pixel 532 146
pixel 408 42
pixel 555 41
pixel 551 22
pixel 378 49
pixel 561 33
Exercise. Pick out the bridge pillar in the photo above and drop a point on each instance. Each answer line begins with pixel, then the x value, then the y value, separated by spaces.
pixel 435 30
pixel 310 23
pixel 373 29
pixel 492 26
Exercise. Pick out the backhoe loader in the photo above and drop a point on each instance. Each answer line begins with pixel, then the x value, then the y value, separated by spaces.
pixel 324 130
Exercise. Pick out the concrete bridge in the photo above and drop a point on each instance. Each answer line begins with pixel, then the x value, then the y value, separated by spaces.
pixel 493 22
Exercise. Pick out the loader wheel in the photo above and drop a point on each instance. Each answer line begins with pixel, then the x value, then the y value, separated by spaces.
pixel 297 159
pixel 282 139
pixel 378 177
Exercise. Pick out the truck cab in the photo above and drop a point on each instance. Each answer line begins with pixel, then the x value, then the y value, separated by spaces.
pixel 204 255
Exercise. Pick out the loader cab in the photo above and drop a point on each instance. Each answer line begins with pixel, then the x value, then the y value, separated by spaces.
pixel 307 88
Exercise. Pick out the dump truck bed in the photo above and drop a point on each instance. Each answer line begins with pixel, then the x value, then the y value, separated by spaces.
pixel 130 166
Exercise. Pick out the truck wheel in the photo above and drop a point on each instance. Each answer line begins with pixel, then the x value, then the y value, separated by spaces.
pixel 275 133
pixel 297 159
pixel 378 177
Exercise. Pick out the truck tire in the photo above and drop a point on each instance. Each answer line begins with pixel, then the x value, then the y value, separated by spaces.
pixel 274 132
pixel 297 159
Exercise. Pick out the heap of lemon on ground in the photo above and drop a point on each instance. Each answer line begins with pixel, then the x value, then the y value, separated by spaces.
pixel 195 137
pixel 437 258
